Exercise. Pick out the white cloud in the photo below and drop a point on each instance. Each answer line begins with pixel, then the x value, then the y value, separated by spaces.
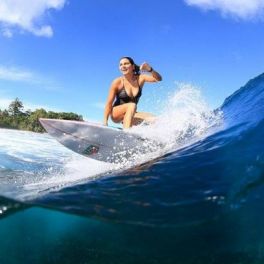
pixel 33 107
pixel 99 105
pixel 15 74
pixel 4 103
pixel 27 15
pixel 7 33
pixel 245 9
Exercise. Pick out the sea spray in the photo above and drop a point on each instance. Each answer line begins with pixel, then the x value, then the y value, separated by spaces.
pixel 184 119
pixel 37 164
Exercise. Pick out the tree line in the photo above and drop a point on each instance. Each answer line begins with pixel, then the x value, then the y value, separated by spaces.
pixel 16 118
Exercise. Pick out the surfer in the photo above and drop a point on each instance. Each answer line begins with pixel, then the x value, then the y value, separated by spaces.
pixel 125 92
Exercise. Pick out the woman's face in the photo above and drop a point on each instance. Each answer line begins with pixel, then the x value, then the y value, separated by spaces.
pixel 125 66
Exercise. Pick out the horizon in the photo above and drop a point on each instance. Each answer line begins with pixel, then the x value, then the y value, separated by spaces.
pixel 63 55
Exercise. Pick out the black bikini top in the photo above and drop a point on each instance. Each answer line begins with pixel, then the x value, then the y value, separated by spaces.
pixel 122 97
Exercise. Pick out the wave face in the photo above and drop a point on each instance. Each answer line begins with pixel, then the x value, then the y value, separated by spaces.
pixel 209 177
pixel 206 195
pixel 246 104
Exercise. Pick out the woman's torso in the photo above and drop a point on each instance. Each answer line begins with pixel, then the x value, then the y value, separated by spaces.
pixel 128 92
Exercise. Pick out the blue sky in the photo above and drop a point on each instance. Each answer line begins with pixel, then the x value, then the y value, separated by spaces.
pixel 63 55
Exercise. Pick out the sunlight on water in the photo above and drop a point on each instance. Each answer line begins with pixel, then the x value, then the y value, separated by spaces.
pixel 33 164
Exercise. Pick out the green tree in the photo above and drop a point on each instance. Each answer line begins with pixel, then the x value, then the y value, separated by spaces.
pixel 16 108
pixel 33 120
pixel 16 118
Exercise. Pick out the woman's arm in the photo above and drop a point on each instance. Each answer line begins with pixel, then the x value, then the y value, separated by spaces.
pixel 154 77
pixel 110 100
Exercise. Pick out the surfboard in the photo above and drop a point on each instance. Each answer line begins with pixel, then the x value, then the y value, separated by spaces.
pixel 93 140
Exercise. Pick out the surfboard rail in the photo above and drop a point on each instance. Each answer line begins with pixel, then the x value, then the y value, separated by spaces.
pixel 93 140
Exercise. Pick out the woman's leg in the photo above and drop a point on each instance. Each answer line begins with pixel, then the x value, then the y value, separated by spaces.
pixel 125 113
pixel 142 116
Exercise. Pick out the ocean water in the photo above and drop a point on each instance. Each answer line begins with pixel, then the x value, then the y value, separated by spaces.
pixel 197 199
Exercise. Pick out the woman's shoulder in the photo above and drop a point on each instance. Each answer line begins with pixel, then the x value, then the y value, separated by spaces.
pixel 117 80
pixel 116 84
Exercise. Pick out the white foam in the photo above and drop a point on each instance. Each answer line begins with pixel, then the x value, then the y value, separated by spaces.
pixel 185 118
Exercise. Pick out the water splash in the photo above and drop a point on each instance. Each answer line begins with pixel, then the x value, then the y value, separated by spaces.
pixel 185 118
pixel 37 164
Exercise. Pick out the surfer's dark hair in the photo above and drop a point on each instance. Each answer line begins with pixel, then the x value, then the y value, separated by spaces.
pixel 137 68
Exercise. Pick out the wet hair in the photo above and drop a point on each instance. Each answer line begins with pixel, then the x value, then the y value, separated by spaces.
pixel 137 68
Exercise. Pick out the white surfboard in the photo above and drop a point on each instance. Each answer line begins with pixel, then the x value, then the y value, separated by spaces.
pixel 94 140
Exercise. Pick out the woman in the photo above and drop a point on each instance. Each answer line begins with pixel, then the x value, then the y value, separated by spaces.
pixel 125 92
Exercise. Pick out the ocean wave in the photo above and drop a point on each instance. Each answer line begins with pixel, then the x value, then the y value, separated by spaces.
pixel 212 164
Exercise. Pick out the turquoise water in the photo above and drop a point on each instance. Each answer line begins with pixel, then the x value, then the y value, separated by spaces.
pixel 43 236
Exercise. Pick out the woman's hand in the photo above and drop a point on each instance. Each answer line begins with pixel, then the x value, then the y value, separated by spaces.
pixel 153 77
pixel 105 123
pixel 145 67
